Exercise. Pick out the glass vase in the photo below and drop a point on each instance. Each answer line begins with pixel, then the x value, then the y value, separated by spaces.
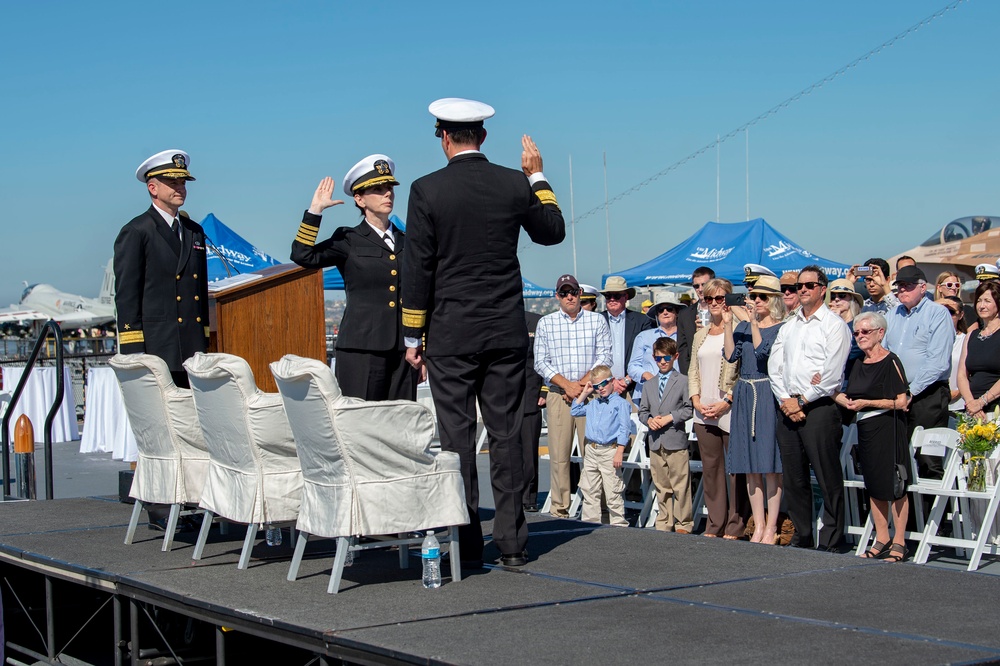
pixel 976 474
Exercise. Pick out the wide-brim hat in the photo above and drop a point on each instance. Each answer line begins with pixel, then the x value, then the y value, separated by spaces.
pixel 663 298
pixel 369 172
pixel 766 284
pixel 616 283
pixel 789 278
pixel 165 164
pixel 844 286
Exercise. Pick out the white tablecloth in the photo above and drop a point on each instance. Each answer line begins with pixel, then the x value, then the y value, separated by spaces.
pixel 106 426
pixel 38 396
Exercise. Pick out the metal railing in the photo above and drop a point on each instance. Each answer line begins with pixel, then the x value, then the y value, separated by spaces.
pixel 42 336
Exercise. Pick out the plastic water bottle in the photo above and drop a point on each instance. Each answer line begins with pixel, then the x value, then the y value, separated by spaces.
pixel 430 555
pixel 273 535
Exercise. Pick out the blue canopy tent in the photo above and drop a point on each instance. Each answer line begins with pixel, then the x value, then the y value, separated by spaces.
pixel 725 248
pixel 532 290
pixel 239 253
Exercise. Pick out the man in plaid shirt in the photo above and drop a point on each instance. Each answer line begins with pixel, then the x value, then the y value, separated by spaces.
pixel 568 344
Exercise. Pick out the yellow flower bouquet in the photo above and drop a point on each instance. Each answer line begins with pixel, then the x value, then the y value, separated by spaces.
pixel 978 442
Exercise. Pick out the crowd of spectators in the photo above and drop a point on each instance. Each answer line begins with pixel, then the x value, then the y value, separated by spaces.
pixel 768 380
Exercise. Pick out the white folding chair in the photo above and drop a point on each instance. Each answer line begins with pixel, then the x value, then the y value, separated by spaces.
pixel 970 531
pixel 367 470
pixel 254 476
pixel 172 460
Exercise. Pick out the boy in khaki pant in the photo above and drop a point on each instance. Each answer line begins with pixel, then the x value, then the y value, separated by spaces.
pixel 664 408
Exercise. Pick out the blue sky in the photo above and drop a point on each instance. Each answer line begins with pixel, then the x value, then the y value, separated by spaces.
pixel 270 97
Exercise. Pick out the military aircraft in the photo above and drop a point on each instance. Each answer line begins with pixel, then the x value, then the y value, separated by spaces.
pixel 41 302
pixel 958 246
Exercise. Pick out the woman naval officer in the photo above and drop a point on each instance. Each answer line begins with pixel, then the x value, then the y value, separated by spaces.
pixel 371 358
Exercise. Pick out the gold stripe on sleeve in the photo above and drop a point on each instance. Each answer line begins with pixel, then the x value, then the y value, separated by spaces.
pixel 414 318
pixel 307 234
pixel 547 197
pixel 131 338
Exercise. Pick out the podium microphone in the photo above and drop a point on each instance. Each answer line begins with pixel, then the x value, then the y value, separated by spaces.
pixel 229 267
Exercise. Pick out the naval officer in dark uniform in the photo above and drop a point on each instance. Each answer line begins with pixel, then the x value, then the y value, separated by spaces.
pixel 371 359
pixel 462 289
pixel 161 272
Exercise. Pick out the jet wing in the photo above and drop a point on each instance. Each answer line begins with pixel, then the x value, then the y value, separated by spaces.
pixel 14 314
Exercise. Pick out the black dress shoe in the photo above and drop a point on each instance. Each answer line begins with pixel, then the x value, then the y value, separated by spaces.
pixel 514 560
pixel 531 508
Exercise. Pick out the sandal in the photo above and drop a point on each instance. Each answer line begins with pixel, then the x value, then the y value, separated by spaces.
pixel 877 550
pixel 897 553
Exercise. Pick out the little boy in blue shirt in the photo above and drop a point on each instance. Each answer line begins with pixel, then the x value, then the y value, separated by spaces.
pixel 608 427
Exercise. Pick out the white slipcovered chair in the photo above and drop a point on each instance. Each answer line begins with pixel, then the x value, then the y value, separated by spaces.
pixel 367 469
pixel 254 476
pixel 173 456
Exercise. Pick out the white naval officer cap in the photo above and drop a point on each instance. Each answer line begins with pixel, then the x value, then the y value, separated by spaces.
pixel 165 164
pixel 986 272
pixel 455 113
pixel 589 292
pixel 753 271
pixel 370 171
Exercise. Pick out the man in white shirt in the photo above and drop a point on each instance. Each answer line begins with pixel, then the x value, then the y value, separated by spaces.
pixel 813 342
pixel 568 344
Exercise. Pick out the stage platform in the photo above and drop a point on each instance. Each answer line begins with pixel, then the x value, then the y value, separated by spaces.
pixel 589 595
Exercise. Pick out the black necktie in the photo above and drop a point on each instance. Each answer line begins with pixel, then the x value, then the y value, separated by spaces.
pixel 175 226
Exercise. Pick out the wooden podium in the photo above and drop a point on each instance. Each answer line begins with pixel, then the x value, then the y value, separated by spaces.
pixel 261 321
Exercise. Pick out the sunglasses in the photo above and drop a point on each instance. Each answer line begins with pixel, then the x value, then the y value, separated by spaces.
pixel 951 285
pixel 668 308
pixel 841 297
pixel 807 285
pixel 601 384
pixel 907 286
pixel 788 289
pixel 661 359
pixel 759 297
pixel 617 296
pixel 565 293
pixel 718 300
pixel 863 331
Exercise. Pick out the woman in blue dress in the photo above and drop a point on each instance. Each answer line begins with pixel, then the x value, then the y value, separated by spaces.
pixel 753 445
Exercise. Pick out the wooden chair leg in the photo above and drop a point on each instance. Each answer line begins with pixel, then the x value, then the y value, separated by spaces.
pixel 168 537
pixel 133 522
pixel 343 544
pixel 248 545
pixel 300 548
pixel 206 525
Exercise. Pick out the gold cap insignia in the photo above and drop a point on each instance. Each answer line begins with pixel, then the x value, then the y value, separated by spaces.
pixel 382 168
pixel 179 161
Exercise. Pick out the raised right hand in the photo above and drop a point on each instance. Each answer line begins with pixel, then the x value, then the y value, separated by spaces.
pixel 323 198
pixel 531 159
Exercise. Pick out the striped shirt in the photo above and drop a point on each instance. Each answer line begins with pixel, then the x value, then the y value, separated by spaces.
pixel 571 347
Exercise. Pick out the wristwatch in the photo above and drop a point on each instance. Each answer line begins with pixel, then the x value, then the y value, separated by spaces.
pixel 801 401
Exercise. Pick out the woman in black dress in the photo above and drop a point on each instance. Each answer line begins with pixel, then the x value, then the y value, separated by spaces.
pixel 371 357
pixel 979 367
pixel 877 391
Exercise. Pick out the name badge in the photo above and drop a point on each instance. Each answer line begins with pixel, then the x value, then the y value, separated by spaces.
pixel 197 246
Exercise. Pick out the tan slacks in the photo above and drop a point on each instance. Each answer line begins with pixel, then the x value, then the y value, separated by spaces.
pixel 599 473
pixel 671 472
pixel 562 430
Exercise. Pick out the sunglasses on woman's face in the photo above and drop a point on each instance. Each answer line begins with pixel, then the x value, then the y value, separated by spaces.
pixel 718 300
pixel 866 332
pixel 951 285
pixel 759 297
pixel 841 297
